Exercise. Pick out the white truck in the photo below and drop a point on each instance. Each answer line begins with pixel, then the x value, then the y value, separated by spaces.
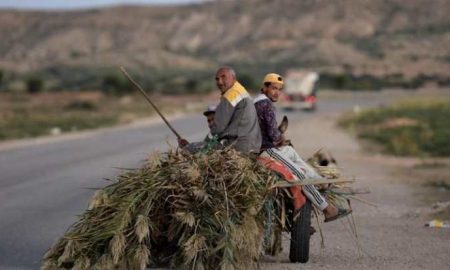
pixel 300 90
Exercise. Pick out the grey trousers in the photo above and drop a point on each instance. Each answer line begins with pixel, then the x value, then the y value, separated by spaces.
pixel 287 156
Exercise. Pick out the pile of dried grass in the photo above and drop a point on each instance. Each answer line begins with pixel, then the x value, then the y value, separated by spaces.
pixel 338 194
pixel 201 211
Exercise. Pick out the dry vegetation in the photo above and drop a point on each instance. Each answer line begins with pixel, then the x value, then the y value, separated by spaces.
pixel 24 115
pixel 417 127
pixel 215 209
pixel 202 211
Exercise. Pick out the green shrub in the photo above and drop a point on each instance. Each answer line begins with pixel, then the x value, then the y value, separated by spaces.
pixel 191 85
pixel 345 81
pixel 1 77
pixel 413 128
pixel 341 81
pixel 82 105
pixel 116 84
pixel 248 81
pixel 348 81
pixel 35 84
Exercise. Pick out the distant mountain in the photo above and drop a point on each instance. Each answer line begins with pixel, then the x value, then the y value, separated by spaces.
pixel 375 37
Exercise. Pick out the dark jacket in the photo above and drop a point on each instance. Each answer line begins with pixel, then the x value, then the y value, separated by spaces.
pixel 267 121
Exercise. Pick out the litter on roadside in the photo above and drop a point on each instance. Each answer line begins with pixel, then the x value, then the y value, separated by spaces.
pixel 436 223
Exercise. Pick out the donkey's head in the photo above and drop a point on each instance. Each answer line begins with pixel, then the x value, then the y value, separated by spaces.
pixel 282 128
pixel 284 125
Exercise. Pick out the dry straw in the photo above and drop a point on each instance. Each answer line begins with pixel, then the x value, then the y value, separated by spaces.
pixel 190 211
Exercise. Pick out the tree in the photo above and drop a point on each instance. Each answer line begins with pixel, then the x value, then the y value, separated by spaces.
pixel 1 78
pixel 35 84
pixel 341 81
pixel 115 84
pixel 191 85
pixel 247 81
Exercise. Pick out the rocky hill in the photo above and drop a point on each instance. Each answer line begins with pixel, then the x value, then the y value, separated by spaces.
pixel 376 37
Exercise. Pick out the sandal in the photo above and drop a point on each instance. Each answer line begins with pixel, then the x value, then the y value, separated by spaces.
pixel 341 213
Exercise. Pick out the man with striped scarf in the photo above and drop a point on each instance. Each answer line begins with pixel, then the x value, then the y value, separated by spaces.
pixel 274 145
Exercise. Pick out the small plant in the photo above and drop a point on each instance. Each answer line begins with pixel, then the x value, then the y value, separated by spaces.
pixel 82 105
pixel 247 81
pixel 191 85
pixel 1 77
pixel 115 84
pixel 35 85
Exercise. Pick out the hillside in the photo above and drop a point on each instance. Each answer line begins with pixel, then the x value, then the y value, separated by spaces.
pixel 377 37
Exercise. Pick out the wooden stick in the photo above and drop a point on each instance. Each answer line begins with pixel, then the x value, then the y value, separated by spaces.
pixel 349 191
pixel 311 181
pixel 148 99
pixel 363 201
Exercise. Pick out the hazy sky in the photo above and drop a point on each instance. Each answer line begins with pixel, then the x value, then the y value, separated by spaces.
pixel 73 4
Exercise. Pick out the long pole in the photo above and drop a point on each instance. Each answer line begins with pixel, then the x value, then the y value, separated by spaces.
pixel 148 99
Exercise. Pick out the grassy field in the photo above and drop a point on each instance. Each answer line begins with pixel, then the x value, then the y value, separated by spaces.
pixel 24 115
pixel 419 127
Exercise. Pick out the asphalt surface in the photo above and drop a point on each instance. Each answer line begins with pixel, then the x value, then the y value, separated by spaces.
pixel 43 187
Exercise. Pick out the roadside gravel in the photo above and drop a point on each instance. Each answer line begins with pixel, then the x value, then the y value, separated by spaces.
pixel 392 234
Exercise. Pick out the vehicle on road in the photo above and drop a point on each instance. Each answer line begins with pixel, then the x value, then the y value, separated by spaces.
pixel 300 90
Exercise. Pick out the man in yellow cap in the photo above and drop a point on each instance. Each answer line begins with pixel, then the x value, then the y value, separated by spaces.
pixel 274 145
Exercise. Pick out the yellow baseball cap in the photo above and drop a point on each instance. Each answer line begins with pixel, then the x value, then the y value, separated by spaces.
pixel 273 78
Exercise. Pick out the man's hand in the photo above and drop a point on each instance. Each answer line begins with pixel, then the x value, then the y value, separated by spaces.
pixel 182 142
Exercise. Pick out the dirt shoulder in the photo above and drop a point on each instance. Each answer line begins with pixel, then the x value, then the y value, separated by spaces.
pixel 392 234
pixel 139 123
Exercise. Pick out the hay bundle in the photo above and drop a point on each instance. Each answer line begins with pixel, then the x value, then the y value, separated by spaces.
pixel 202 211
pixel 338 194
pixel 324 164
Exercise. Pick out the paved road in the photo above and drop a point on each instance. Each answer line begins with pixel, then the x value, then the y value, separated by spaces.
pixel 43 187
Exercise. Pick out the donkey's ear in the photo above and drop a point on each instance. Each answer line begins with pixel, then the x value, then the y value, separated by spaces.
pixel 284 124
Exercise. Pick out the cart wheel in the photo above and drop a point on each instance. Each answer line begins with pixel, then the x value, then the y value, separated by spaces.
pixel 300 234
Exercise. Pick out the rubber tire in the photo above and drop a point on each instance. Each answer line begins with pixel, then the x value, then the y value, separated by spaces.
pixel 300 234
